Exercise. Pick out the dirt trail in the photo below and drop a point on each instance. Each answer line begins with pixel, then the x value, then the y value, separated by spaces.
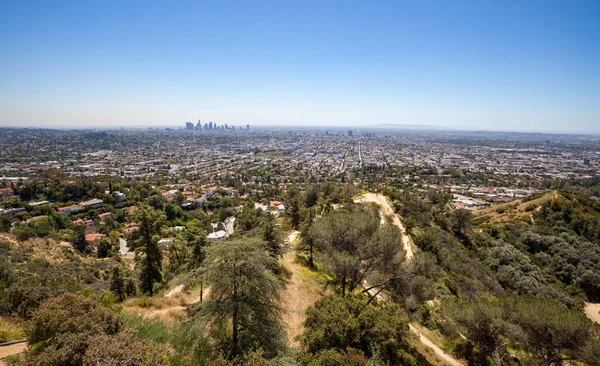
pixel 592 310
pixel 300 293
pixel 13 349
pixel 386 211
pixel 446 358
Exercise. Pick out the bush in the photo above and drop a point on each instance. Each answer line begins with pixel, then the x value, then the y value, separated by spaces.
pixel 71 314
pixel 123 349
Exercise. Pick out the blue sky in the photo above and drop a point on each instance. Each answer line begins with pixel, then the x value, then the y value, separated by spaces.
pixel 505 65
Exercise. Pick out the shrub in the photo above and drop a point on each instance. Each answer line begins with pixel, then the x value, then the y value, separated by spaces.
pixel 71 314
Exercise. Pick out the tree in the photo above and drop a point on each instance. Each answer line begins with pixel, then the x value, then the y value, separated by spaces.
pixel 294 206
pixel 551 331
pixel 312 196
pixel 145 243
pixel 483 324
pixel 306 240
pixel 117 283
pixel 79 241
pixel 5 223
pixel 105 249
pixel 130 288
pixel 347 241
pixel 244 296
pixel 341 323
pixel 461 220
pixel 272 236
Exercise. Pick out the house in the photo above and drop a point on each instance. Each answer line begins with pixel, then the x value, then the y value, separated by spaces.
pixel 163 242
pixel 210 191
pixel 88 223
pixel 38 203
pixel 94 238
pixel 217 235
pixel 119 196
pixel 6 192
pixel 259 206
pixel 281 209
pixel 200 201
pixel 66 210
pixel 130 230
pixel 11 211
pixel 102 216
pixel 93 203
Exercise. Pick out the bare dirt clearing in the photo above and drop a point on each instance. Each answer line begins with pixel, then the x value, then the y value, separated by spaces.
pixel 592 310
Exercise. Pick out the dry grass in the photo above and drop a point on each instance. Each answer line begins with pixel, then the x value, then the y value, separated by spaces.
pixel 512 210
pixel 170 309
pixel 11 329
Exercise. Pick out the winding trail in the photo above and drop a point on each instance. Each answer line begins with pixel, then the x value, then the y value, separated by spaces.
pixel 386 211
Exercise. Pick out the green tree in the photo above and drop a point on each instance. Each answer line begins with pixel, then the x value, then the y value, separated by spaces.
pixel 117 283
pixel 244 296
pixel 306 240
pixel 551 331
pixel 272 236
pixel 79 241
pixel 482 323
pixel 347 241
pixel 145 242
pixel 105 248
pixel 461 220
pixel 294 206
pixel 341 323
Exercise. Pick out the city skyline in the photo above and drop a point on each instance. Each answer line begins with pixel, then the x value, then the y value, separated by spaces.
pixel 497 66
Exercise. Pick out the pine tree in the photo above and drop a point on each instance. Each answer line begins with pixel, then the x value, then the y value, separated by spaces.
pixel 79 241
pixel 294 206
pixel 117 283
pixel 272 237
pixel 148 254
pixel 307 243
pixel 244 296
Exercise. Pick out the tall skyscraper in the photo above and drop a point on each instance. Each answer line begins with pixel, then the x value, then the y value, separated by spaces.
pixel 210 125
pixel 189 126
pixel 199 125
pixel 247 127
pixel 350 133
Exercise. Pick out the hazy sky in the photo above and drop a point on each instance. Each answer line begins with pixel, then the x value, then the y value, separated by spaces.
pixel 505 65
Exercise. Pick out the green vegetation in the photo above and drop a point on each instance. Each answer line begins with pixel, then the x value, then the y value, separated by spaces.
pixel 487 288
